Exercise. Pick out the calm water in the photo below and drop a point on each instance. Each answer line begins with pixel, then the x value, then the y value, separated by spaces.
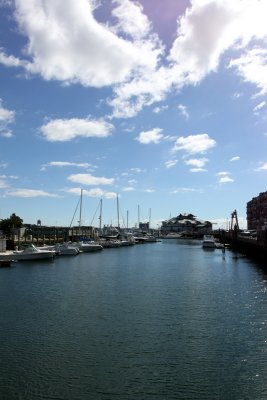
pixel 158 321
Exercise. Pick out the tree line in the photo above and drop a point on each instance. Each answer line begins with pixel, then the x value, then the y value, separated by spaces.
pixel 6 225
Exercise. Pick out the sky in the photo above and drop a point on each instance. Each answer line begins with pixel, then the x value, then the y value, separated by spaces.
pixel 161 104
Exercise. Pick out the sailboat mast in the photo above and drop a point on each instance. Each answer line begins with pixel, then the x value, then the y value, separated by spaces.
pixel 118 212
pixel 81 203
pixel 100 216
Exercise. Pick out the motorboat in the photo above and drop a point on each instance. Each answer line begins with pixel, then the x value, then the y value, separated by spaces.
pixel 66 249
pixel 110 243
pixel 30 252
pixel 208 242
pixel 87 246
pixel 172 235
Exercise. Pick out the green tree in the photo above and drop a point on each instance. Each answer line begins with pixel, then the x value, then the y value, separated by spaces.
pixel 7 224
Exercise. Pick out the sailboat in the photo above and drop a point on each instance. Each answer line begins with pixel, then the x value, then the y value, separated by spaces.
pixel 85 246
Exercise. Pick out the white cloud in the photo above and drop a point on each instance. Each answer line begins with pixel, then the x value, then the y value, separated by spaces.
pixel 197 162
pixel 259 106
pixel 149 190
pixel 6 118
pixel 61 164
pixel 3 183
pixel 3 165
pixel 110 195
pixel 132 181
pixel 152 136
pixel 263 167
pixel 128 189
pixel 236 158
pixel 194 144
pixel 170 163
pixel 69 45
pixel 252 67
pixel 6 134
pixel 62 130
pixel 95 192
pixel 183 111
pixel 198 170
pixel 137 170
pixel 206 31
pixel 157 110
pixel 209 28
pixel 9 61
pixel 185 190
pixel 224 177
pixel 88 179
pixel 131 19
pixel 29 193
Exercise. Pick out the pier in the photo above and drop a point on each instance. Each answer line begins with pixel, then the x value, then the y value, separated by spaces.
pixel 253 247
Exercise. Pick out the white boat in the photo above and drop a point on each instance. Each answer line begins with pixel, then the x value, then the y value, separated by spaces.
pixel 30 252
pixel 208 242
pixel 110 243
pixel 172 235
pixel 66 249
pixel 87 246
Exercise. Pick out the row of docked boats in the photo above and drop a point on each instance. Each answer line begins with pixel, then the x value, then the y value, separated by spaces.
pixel 32 252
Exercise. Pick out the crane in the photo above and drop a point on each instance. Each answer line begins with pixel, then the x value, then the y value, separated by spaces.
pixel 234 221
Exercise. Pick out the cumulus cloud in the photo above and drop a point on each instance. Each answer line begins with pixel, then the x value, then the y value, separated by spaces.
pixel 152 136
pixel 224 177
pixel 88 179
pixel 252 67
pixel 131 19
pixel 63 130
pixel 194 144
pixel 69 45
pixel 197 164
pixel 10 61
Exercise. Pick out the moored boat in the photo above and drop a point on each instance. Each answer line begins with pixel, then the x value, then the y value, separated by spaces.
pixel 66 249
pixel 30 252
pixel 208 242
pixel 87 246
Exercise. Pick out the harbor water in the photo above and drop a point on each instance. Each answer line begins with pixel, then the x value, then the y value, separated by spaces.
pixel 158 321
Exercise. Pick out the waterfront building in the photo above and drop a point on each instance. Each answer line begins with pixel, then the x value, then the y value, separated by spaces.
pixel 257 212
pixel 186 224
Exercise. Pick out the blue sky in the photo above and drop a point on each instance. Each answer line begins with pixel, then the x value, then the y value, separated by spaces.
pixel 162 104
